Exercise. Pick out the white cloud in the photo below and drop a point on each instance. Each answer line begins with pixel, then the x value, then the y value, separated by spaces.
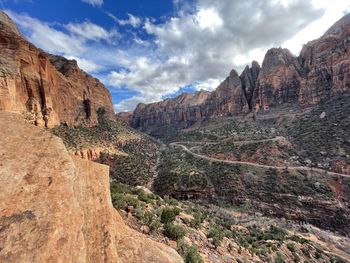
pixel 91 31
pixel 93 2
pixel 208 18
pixel 46 37
pixel 200 46
pixel 78 42
pixel 334 10
pixel 132 20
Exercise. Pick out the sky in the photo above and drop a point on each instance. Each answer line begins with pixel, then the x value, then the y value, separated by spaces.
pixel 148 50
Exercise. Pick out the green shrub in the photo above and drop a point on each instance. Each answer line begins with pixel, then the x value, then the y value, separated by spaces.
pixel 279 258
pixel 306 251
pixel 174 232
pixel 296 258
pixel 147 198
pixel 336 259
pixel 169 215
pixel 122 201
pixel 197 220
pixel 291 247
pixel 155 225
pixel 318 255
pixel 189 253
pixel 217 234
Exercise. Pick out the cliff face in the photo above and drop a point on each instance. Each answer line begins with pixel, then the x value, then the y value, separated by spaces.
pixel 326 63
pixel 279 79
pixel 47 89
pixel 183 110
pixel 57 208
pixel 321 71
pixel 227 99
pixel 249 79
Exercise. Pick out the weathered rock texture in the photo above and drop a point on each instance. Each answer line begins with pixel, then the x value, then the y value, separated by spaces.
pixel 183 110
pixel 279 79
pixel 47 89
pixel 57 208
pixel 227 99
pixel 321 71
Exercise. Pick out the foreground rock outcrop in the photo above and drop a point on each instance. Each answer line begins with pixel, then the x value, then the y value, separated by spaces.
pixel 47 89
pixel 321 71
pixel 57 208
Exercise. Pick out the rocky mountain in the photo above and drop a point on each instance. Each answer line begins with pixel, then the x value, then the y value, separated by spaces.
pixel 47 89
pixel 318 73
pixel 182 110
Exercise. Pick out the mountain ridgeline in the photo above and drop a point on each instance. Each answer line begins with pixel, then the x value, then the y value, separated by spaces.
pixel 321 71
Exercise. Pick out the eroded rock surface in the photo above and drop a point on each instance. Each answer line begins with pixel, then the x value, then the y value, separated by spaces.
pixel 57 208
pixel 47 89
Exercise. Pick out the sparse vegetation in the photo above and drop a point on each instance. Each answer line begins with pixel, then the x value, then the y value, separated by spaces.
pixel 174 231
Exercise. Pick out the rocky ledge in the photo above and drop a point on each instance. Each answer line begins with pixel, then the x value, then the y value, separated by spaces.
pixel 57 208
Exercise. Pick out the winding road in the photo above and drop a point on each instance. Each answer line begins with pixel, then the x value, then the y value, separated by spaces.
pixel 289 168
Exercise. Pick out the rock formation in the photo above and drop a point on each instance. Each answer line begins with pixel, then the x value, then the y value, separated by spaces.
pixel 321 71
pixel 227 99
pixel 279 79
pixel 56 207
pixel 183 110
pixel 47 89
pixel 249 79
pixel 326 64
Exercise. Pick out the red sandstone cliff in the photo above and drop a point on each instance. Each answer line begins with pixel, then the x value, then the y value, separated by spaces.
pixel 47 89
pixel 321 71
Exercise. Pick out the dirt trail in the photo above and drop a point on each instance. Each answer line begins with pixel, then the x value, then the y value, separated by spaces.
pixel 276 139
pixel 289 168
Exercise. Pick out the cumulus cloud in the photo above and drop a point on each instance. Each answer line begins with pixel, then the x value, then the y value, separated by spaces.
pixel 200 45
pixel 197 46
pixel 93 2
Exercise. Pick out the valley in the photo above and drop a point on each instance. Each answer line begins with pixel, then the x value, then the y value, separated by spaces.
pixel 256 170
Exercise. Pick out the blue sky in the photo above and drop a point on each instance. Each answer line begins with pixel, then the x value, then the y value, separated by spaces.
pixel 148 50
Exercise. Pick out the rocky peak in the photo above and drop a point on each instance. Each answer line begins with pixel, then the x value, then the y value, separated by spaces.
pixel 63 65
pixel 7 24
pixel 228 98
pixel 249 78
pixel 339 26
pixel 276 57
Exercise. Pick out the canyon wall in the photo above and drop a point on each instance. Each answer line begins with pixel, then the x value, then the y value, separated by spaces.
pixel 321 71
pixel 46 89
